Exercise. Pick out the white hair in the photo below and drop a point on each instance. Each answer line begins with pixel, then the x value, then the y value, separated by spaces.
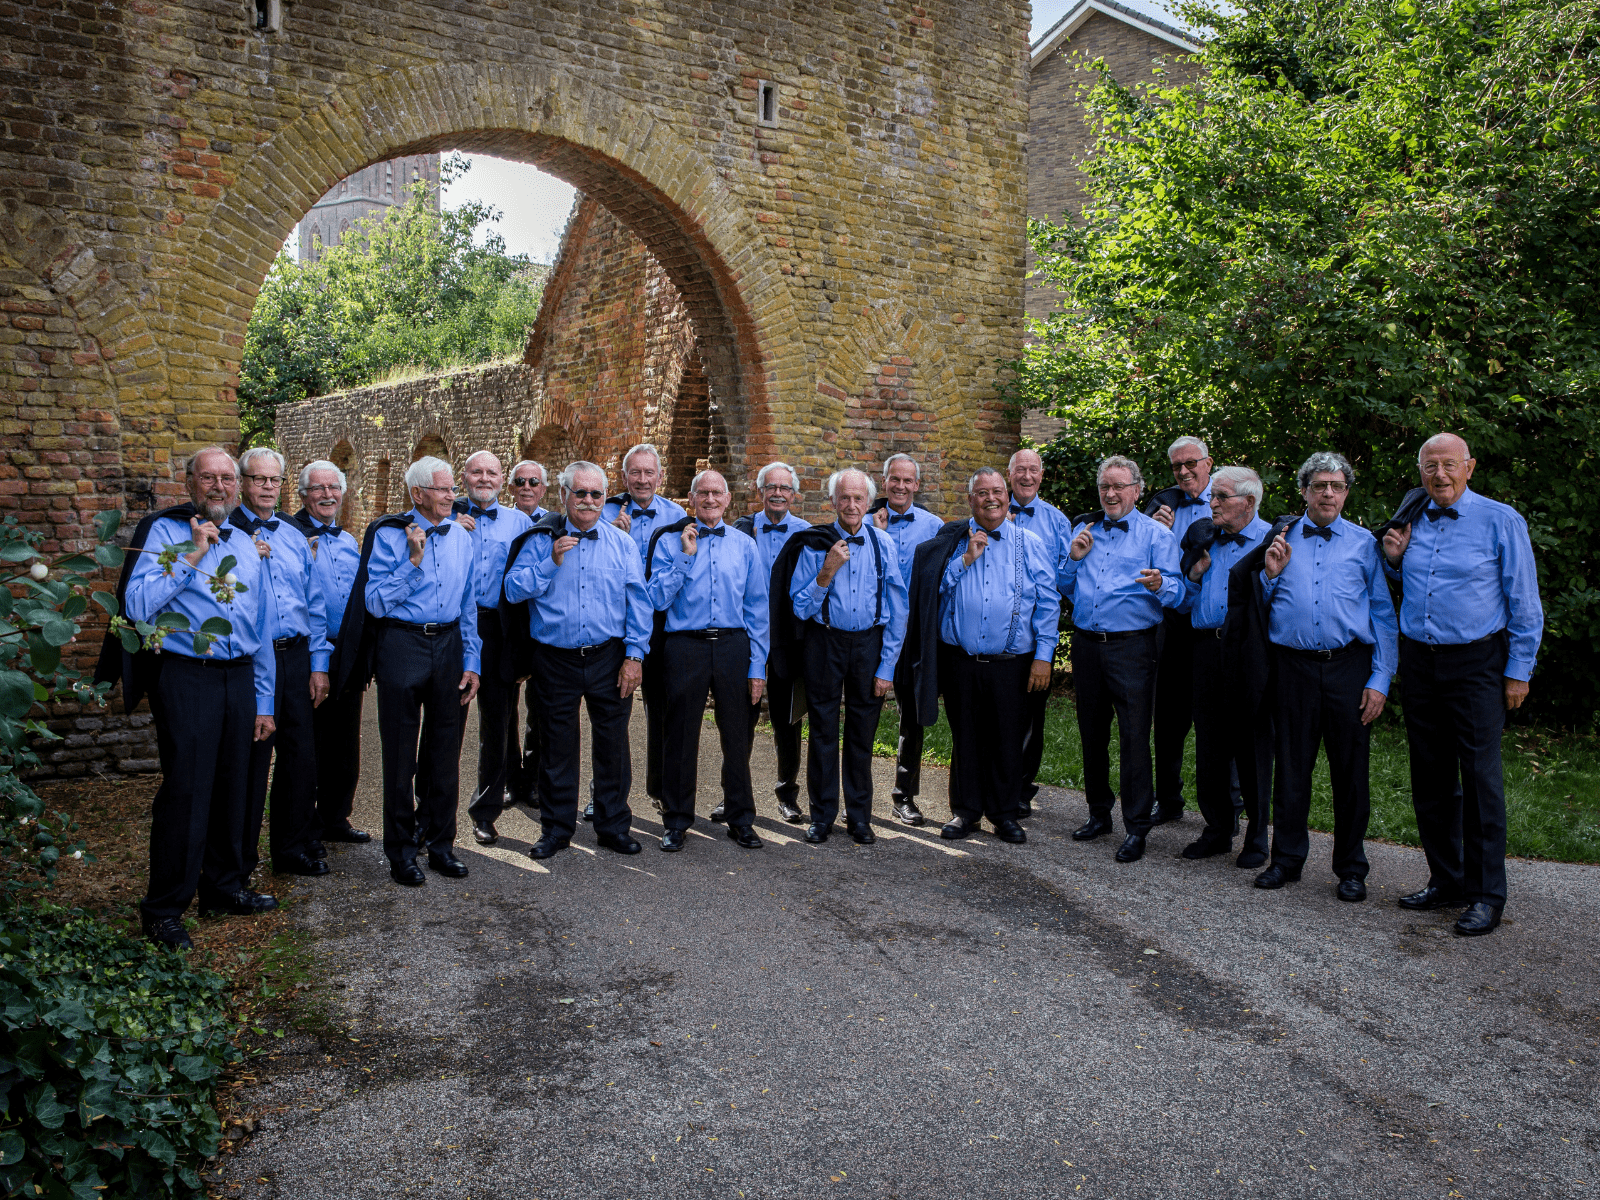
pixel 837 478
pixel 421 472
pixel 1186 440
pixel 1135 476
pixel 694 484
pixel 570 475
pixel 905 458
pixel 255 452
pixel 544 476
pixel 1245 482
pixel 480 454
pixel 765 473
pixel 1439 437
pixel 194 459
pixel 644 448
pixel 319 464
pixel 1012 461
pixel 981 472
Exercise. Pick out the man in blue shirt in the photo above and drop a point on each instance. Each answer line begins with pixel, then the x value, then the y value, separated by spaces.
pixel 772 528
pixel 335 720
pixel 421 587
pixel 1331 624
pixel 713 588
pixel 1223 734
pixel 590 619
pixel 999 613
pixel 296 634
pixel 1470 620
pixel 854 603
pixel 529 482
pixel 908 526
pixel 492 528
pixel 639 512
pixel 1120 571
pixel 209 708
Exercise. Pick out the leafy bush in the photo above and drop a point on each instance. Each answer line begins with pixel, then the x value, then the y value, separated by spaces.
pixel 109 1050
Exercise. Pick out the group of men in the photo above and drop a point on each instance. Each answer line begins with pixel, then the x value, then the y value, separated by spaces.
pixel 1270 640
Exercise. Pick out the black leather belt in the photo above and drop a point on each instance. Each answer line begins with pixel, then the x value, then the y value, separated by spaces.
pixel 1323 655
pixel 1435 647
pixel 704 635
pixel 994 657
pixel 286 643
pixel 241 661
pixel 429 629
pixel 583 651
pixel 1095 635
pixel 1207 632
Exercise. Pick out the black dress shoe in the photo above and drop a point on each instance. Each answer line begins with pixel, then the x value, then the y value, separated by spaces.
pixel 1479 919
pixel 673 840
pixel 1276 876
pixel 1250 859
pixel 745 836
pixel 447 864
pixel 299 864
pixel 243 903
pixel 1207 845
pixel 1025 810
pixel 484 833
pixel 957 828
pixel 618 843
pixel 315 849
pixel 1431 897
pixel 719 814
pixel 861 834
pixel 345 833
pixel 1092 828
pixel 907 813
pixel 1132 848
pixel 817 833
pixel 1352 889
pixel 1010 831
pixel 408 874
pixel 790 813
pixel 547 846
pixel 588 811
pixel 168 931
pixel 1162 813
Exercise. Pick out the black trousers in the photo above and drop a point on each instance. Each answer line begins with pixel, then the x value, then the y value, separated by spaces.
pixel 205 715
pixel 908 749
pixel 785 736
pixel 419 677
pixel 499 739
pixel 986 702
pixel 1228 740
pixel 1116 678
pixel 653 691
pixel 524 781
pixel 294 779
pixel 841 665
pixel 1455 713
pixel 1174 707
pixel 694 669
pixel 571 679
pixel 1319 704
pixel 336 734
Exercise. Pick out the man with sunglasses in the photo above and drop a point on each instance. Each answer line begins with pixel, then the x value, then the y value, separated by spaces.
pixel 529 480
pixel 528 483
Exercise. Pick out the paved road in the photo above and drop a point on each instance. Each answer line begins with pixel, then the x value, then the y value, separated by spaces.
pixel 921 1019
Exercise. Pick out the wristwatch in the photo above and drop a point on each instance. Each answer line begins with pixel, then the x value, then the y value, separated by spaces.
pixel 634 658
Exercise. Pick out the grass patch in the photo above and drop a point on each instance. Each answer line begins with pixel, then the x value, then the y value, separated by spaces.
pixel 1552 780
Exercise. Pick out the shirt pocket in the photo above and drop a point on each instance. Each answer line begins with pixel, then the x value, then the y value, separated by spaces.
pixel 1347 584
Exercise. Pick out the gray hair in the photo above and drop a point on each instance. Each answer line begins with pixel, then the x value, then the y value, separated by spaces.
pixel 1186 440
pixel 1245 482
pixel 765 473
pixel 694 484
pixel 544 476
pixel 255 452
pixel 1323 461
pixel 421 472
pixel 194 459
pixel 905 458
pixel 570 475
pixel 1439 437
pixel 981 472
pixel 319 464
pixel 480 454
pixel 1135 475
pixel 1012 461
pixel 837 478
pixel 643 448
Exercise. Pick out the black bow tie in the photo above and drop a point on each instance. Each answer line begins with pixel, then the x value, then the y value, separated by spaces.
pixel 1108 524
pixel 784 528
pixel 642 512
pixel 252 524
pixel 440 530
pixel 1185 500
pixel 224 534
pixel 719 531
pixel 1435 513
pixel 592 535
pixel 908 515
pixel 1325 532
pixel 492 513
pixel 259 525
pixel 858 540
pixel 1222 535
pixel 319 530
pixel 1025 510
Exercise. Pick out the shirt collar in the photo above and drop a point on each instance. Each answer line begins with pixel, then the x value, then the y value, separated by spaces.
pixel 568 527
pixel 1337 524
pixel 1205 493
pixel 998 534
pixel 416 515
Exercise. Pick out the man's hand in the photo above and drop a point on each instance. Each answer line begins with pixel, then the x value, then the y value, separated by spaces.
pixel 319 687
pixel 882 687
pixel 881 517
pixel 758 689
pixel 1039 675
pixel 1201 566
pixel 689 539
pixel 558 550
pixel 263 548
pixel 1516 692
pixel 1081 544
pixel 416 540
pixel 1394 546
pixel 1371 705
pixel 1278 555
pixel 1163 516
pixel 1150 579
pixel 204 535
pixel 838 554
pixel 468 687
pixel 628 678
pixel 265 728
pixel 464 520
pixel 622 521
pixel 976 545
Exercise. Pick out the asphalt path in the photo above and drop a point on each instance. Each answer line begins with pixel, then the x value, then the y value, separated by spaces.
pixel 921 1018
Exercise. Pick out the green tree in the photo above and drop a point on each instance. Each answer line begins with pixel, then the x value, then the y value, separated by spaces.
pixel 1366 221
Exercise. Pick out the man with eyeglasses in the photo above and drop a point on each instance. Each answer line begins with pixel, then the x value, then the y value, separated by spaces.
pixel 529 481
pixel 772 528
pixel 590 619
pixel 1470 625
pixel 1177 508
pixel 1331 625
pixel 294 624
pixel 713 589
pixel 336 721
pixel 1121 572
pixel 640 511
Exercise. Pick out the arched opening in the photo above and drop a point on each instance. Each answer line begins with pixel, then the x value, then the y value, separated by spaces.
pixel 432 444
pixel 552 446
pixel 378 500
pixel 344 457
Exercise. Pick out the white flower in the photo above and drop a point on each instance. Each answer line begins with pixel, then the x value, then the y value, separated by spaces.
pixel 77 854
pixel 39 570
pixel 230 579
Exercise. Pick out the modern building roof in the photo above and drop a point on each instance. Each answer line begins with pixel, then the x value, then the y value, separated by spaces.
pixel 1152 16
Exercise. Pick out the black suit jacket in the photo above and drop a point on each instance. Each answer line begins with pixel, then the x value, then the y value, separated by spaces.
pixel 922 629
pixel 137 670
pixel 516 662
pixel 350 669
pixel 1246 651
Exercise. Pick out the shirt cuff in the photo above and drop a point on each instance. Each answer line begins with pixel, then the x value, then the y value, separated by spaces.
pixel 637 650
pixel 264 706
pixel 473 663
pixel 1520 669
pixel 1046 651
pixel 1379 682
pixel 320 661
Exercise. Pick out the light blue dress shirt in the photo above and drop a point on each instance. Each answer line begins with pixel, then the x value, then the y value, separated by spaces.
pixel 1332 593
pixel 335 559
pixel 151 593
pixel 441 590
pixel 286 584
pixel 1471 577
pixel 1207 601
pixel 640 528
pixel 596 594
pixel 1187 514
pixel 908 535
pixel 721 586
pixel 769 544
pixel 491 539
pixel 852 597
pixel 1006 602
pixel 1104 586
pixel 1052 525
